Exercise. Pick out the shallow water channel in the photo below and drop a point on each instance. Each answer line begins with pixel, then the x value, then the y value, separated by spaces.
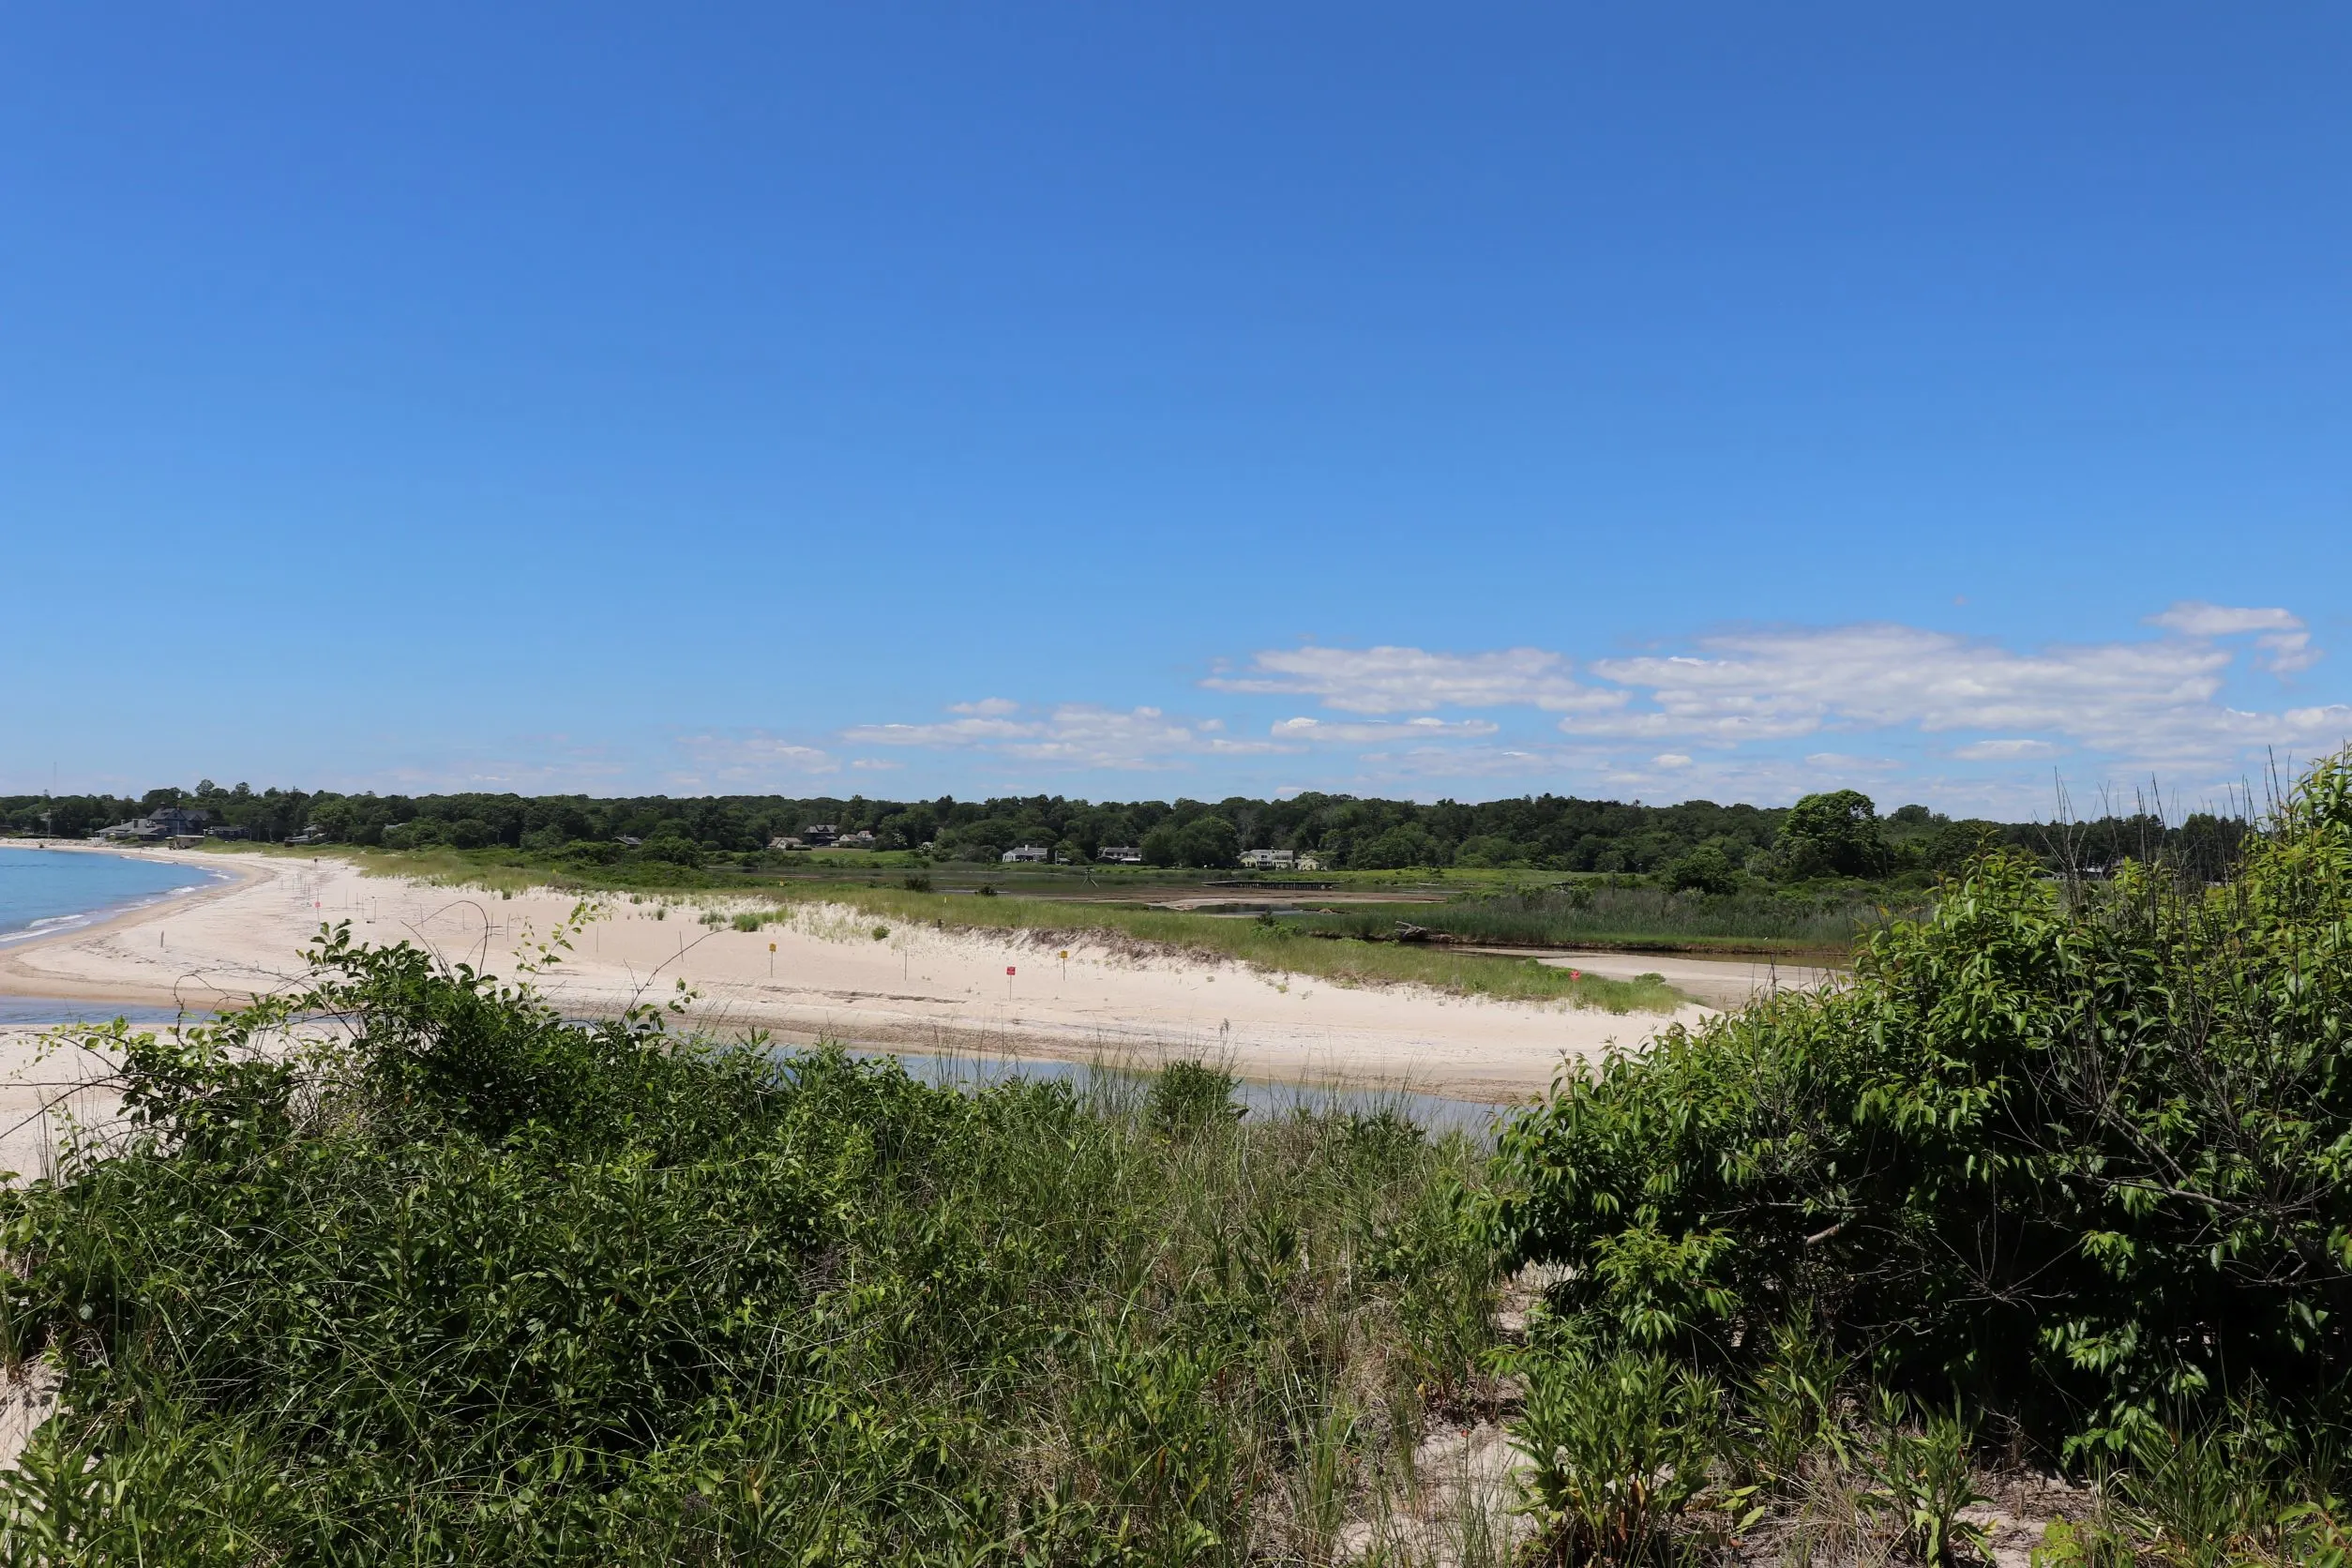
pixel 1432 1112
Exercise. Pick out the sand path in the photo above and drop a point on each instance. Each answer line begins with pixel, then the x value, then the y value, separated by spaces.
pixel 915 989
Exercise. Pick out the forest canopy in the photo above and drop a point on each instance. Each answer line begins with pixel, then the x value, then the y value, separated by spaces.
pixel 1695 844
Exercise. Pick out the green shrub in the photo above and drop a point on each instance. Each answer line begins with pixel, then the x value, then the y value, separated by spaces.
pixel 1618 1446
pixel 1186 1097
pixel 1923 1475
pixel 2076 1153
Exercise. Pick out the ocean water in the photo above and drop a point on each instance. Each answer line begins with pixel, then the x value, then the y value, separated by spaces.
pixel 46 891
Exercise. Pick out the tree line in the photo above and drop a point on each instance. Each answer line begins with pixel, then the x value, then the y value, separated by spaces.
pixel 1694 844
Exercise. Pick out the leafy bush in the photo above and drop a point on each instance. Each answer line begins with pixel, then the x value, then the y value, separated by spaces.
pixel 2075 1153
pixel 1187 1096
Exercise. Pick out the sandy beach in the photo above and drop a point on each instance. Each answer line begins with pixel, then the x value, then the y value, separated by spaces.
pixel 829 975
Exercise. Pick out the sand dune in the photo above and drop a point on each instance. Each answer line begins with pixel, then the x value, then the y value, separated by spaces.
pixel 911 988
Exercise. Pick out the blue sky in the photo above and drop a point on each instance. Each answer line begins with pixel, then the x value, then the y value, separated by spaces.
pixel 1155 400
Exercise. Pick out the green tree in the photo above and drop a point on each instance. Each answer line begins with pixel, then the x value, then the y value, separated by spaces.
pixel 1208 841
pixel 1489 850
pixel 1408 844
pixel 1834 835
pixel 1705 869
pixel 1159 845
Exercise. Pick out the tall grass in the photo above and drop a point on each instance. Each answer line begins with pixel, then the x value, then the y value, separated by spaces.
pixel 468 1283
pixel 1270 948
pixel 1277 948
pixel 1640 918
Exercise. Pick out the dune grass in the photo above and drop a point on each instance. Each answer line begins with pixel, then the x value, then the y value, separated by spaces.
pixel 1275 948
pixel 478 1284
pixel 1270 947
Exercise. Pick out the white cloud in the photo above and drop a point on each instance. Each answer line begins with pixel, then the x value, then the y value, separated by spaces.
pixel 2196 618
pixel 874 764
pixel 2153 702
pixel 2004 750
pixel 1750 714
pixel 1389 680
pixel 755 755
pixel 1074 734
pixel 957 731
pixel 2284 635
pixel 1377 732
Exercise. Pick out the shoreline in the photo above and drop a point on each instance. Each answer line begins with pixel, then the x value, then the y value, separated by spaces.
pixel 826 974
pixel 15 978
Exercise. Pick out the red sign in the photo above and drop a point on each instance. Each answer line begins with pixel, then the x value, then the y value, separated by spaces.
pixel 1009 969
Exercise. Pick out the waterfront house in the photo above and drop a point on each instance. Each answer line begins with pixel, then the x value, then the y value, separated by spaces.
pixel 164 822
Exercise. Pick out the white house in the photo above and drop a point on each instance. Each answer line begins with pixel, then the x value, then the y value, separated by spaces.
pixel 1026 852
pixel 1120 854
pixel 1268 860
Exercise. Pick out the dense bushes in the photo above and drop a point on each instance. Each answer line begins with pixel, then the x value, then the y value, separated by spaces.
pixel 2076 1154
pixel 469 1283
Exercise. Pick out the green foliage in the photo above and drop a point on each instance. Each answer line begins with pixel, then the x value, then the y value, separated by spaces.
pixel 1187 1096
pixel 1834 834
pixel 1789 1408
pixel 1581 915
pixel 1618 1446
pixel 1923 1475
pixel 1705 869
pixel 2077 1153
pixel 467 1282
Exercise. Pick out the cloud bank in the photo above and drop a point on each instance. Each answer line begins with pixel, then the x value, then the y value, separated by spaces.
pixel 2202 698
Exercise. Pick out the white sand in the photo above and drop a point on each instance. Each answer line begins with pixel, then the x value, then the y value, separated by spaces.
pixel 919 989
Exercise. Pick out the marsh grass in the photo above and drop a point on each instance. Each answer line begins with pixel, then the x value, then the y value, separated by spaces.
pixel 1582 914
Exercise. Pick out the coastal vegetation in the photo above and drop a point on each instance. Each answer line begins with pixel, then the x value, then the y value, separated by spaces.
pixel 1802 883
pixel 2038 1230
pixel 1628 914
pixel 2040 1224
pixel 1272 947
pixel 469 1283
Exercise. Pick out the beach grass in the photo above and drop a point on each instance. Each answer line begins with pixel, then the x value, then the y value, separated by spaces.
pixel 482 1285
pixel 1275 948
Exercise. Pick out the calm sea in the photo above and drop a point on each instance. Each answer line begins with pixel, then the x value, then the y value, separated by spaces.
pixel 43 891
